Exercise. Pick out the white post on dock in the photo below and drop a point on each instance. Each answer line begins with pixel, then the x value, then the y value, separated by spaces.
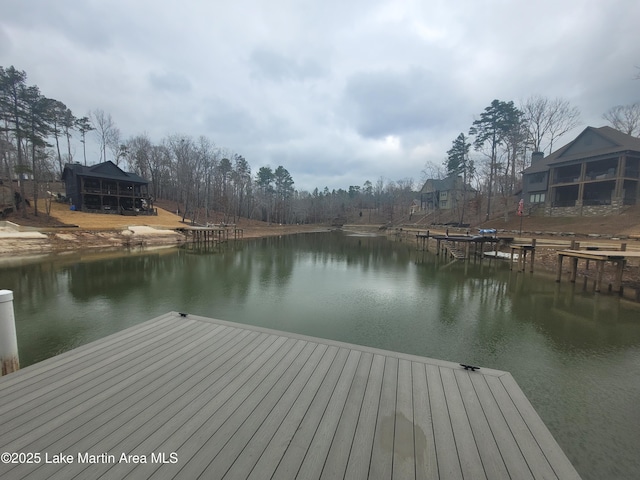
pixel 8 338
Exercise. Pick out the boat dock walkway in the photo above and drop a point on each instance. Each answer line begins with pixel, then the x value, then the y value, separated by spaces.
pixel 195 397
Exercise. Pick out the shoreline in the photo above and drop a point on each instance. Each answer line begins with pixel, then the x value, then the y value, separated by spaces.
pixel 28 245
pixel 33 244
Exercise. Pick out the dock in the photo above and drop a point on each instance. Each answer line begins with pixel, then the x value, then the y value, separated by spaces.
pixel 195 397
pixel 211 233
pixel 600 257
pixel 459 246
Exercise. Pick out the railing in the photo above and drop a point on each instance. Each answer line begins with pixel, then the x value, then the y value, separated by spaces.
pixel 566 179
pixel 599 175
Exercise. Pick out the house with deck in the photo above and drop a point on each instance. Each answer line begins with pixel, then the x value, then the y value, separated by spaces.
pixel 595 174
pixel 106 188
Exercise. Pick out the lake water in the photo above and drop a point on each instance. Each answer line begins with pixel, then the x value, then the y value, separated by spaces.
pixel 575 355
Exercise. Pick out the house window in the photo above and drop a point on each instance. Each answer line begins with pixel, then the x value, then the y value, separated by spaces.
pixel 537 177
pixel 536 198
pixel 443 203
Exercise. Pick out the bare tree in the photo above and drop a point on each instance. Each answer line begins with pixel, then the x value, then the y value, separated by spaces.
pixel 104 128
pixel 625 118
pixel 547 120
pixel 118 150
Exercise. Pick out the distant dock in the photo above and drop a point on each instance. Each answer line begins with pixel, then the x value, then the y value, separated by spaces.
pixel 211 233
pixel 600 257
pixel 202 398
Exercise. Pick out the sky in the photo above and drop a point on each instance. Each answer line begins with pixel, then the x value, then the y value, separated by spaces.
pixel 337 92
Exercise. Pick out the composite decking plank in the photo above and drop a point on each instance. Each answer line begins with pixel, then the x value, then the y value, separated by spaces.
pixel 281 415
pixel 465 442
pixel 283 437
pixel 528 446
pixel 318 450
pixel 219 467
pixel 147 431
pixel 360 455
pixel 67 373
pixel 487 447
pixel 298 447
pixel 404 453
pixel 425 445
pixel 244 419
pixel 274 405
pixel 383 440
pixel 350 346
pixel 33 415
pixel 41 371
pixel 338 456
pixel 100 420
pixel 446 448
pixel 77 373
pixel 117 423
pixel 552 451
pixel 84 419
pixel 511 454
pixel 239 402
pixel 199 422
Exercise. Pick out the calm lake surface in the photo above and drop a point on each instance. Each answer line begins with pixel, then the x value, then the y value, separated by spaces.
pixel 576 356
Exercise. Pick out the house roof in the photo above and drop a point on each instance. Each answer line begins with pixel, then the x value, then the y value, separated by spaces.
pixel 106 170
pixel 443 184
pixel 603 141
pixel 452 182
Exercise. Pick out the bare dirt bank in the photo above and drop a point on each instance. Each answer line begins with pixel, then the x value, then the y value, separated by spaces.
pixel 64 230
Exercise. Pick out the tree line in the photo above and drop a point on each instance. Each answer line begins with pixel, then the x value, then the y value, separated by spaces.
pixel 201 178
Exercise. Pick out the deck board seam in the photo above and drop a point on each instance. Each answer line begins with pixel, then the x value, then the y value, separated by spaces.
pixel 290 357
pixel 228 366
pixel 486 418
pixel 300 382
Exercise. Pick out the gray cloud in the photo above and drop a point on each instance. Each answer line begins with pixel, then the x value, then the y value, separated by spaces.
pixel 395 103
pixel 171 82
pixel 275 66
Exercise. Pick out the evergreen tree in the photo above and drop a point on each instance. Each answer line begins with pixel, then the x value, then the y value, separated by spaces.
pixel 491 129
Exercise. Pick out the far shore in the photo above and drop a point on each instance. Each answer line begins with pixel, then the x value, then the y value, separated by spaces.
pixel 32 242
pixel 20 245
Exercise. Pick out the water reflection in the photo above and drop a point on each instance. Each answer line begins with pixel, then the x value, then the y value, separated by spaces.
pixel 575 355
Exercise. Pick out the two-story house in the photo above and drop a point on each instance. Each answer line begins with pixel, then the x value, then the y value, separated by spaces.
pixel 106 188
pixel 595 174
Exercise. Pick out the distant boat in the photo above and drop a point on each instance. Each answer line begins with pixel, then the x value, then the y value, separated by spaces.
pixel 503 255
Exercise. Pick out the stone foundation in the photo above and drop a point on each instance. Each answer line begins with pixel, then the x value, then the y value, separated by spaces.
pixel 580 210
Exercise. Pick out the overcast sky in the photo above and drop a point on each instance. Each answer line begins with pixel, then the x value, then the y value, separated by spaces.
pixel 338 92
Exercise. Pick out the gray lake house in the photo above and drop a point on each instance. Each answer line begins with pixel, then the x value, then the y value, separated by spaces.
pixel 595 174
pixel 443 194
pixel 106 188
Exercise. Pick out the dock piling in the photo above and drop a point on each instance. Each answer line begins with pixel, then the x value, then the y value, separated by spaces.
pixel 8 338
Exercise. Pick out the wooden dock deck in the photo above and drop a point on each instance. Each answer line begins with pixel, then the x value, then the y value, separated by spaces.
pixel 599 257
pixel 215 399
